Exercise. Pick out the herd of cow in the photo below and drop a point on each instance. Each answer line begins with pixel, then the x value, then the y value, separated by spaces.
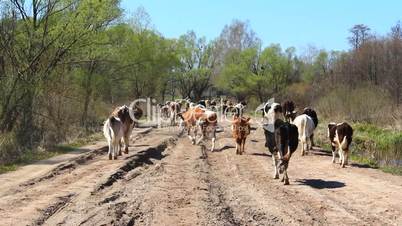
pixel 283 127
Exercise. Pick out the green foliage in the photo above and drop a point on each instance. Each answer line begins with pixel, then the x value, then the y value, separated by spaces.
pixel 251 72
pixel 380 144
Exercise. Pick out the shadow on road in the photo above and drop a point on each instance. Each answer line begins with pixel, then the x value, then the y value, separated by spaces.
pixel 225 147
pixel 320 151
pixel 321 184
pixel 361 165
pixel 262 154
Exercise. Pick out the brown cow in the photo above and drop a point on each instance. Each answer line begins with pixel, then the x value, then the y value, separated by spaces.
pixel 340 136
pixel 129 118
pixel 199 118
pixel 240 130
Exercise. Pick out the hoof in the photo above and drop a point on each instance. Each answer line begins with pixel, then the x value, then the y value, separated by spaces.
pixel 286 182
pixel 276 177
pixel 110 157
pixel 126 152
pixel 120 154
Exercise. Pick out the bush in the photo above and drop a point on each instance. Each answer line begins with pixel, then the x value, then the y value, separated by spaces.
pixel 364 104
pixel 8 148
pixel 383 146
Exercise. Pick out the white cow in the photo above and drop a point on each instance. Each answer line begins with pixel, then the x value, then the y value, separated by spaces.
pixel 305 126
pixel 113 131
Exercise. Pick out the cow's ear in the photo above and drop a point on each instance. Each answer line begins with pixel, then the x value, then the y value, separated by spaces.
pixel 248 119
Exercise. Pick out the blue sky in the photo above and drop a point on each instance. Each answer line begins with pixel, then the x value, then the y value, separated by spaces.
pixel 298 23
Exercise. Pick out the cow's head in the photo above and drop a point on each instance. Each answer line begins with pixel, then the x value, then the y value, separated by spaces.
pixel 273 111
pixel 123 113
pixel 283 165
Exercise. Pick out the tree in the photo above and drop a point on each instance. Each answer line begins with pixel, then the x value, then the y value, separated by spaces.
pixel 359 35
pixel 251 72
pixel 35 42
pixel 197 65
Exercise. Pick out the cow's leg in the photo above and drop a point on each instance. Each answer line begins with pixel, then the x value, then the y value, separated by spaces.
pixel 114 150
pixel 110 150
pixel 243 142
pixel 340 153
pixel 346 156
pixel 302 147
pixel 274 162
pixel 202 134
pixel 333 156
pixel 333 153
pixel 189 136
pixel 312 140
pixel 213 140
pixel 237 147
pixel 126 143
pixel 285 175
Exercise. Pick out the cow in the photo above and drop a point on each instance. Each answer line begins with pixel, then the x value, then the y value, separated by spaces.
pixel 175 109
pixel 289 111
pixel 164 111
pixel 240 130
pixel 340 136
pixel 313 115
pixel 238 109
pixel 200 118
pixel 286 138
pixel 113 132
pixel 227 107
pixel 129 118
pixel 305 126
pixel 281 139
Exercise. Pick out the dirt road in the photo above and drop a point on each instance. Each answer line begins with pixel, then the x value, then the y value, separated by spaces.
pixel 167 181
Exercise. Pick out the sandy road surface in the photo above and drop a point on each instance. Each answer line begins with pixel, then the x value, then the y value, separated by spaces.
pixel 167 181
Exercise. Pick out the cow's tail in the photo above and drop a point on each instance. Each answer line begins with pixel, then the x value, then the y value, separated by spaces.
pixel 108 130
pixel 344 143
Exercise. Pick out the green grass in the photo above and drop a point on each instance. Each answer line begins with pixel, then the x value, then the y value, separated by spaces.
pixel 363 160
pixel 79 142
pixel 8 168
pixel 29 157
pixel 385 140
pixel 392 170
